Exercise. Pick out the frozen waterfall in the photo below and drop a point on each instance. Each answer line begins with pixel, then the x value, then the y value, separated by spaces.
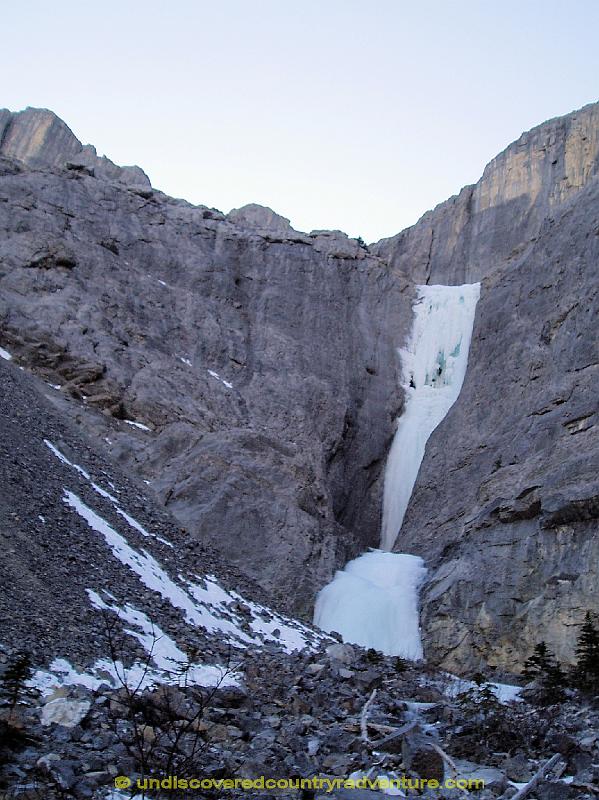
pixel 373 601
pixel 433 368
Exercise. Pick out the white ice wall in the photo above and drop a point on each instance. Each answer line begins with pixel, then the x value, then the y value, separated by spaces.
pixel 433 368
pixel 374 602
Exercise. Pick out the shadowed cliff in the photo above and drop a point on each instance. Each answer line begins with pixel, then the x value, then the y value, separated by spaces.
pixel 262 360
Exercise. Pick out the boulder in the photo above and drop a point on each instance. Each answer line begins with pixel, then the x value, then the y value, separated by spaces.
pixel 64 711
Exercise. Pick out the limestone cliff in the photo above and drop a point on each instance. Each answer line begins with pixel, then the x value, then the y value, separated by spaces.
pixel 505 508
pixel 38 138
pixel 262 360
pixel 486 225
pixel 263 364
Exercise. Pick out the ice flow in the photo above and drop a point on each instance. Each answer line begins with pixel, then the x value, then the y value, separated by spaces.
pixel 434 364
pixel 373 601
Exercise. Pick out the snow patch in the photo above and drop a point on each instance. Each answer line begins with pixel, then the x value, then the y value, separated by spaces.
pixel 289 633
pixel 61 673
pixel 207 607
pixel 5 354
pixel 218 378
pixel 203 602
pixel 185 361
pixel 61 457
pixel 106 495
pixel 133 523
pixel 373 602
pixel 136 425
pixel 504 692
pixel 170 663
pixel 150 573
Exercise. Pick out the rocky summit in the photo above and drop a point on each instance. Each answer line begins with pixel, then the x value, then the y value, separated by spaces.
pixel 196 412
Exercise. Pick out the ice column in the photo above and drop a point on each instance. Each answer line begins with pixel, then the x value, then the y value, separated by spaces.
pixel 433 368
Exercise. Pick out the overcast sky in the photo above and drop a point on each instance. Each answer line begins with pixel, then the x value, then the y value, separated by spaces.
pixel 335 113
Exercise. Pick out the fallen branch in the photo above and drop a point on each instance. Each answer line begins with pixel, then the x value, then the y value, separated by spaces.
pixel 396 733
pixel 364 717
pixel 451 764
pixel 537 777
pixel 447 759
pixel 355 725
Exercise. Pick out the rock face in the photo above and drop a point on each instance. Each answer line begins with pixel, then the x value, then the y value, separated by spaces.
pixel 486 227
pixel 505 508
pixel 38 138
pixel 262 363
pixel 262 219
pixel 262 360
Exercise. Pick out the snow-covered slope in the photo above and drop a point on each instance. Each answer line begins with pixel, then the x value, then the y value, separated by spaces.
pixel 87 551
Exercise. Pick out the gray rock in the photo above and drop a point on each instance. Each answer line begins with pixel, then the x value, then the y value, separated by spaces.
pixel 486 227
pixel 518 768
pixel 494 779
pixel 61 770
pixel 313 746
pixel 420 757
pixel 65 712
pixel 38 138
pixel 505 506
pixel 344 653
pixel 260 218
pixel 554 790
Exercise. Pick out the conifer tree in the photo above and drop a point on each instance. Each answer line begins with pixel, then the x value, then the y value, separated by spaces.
pixel 14 679
pixel 539 662
pixel 586 671
pixel 543 668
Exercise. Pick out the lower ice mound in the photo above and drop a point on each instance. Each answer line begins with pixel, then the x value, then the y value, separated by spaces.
pixel 373 602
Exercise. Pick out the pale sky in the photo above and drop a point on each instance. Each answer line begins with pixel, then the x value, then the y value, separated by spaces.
pixel 337 114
